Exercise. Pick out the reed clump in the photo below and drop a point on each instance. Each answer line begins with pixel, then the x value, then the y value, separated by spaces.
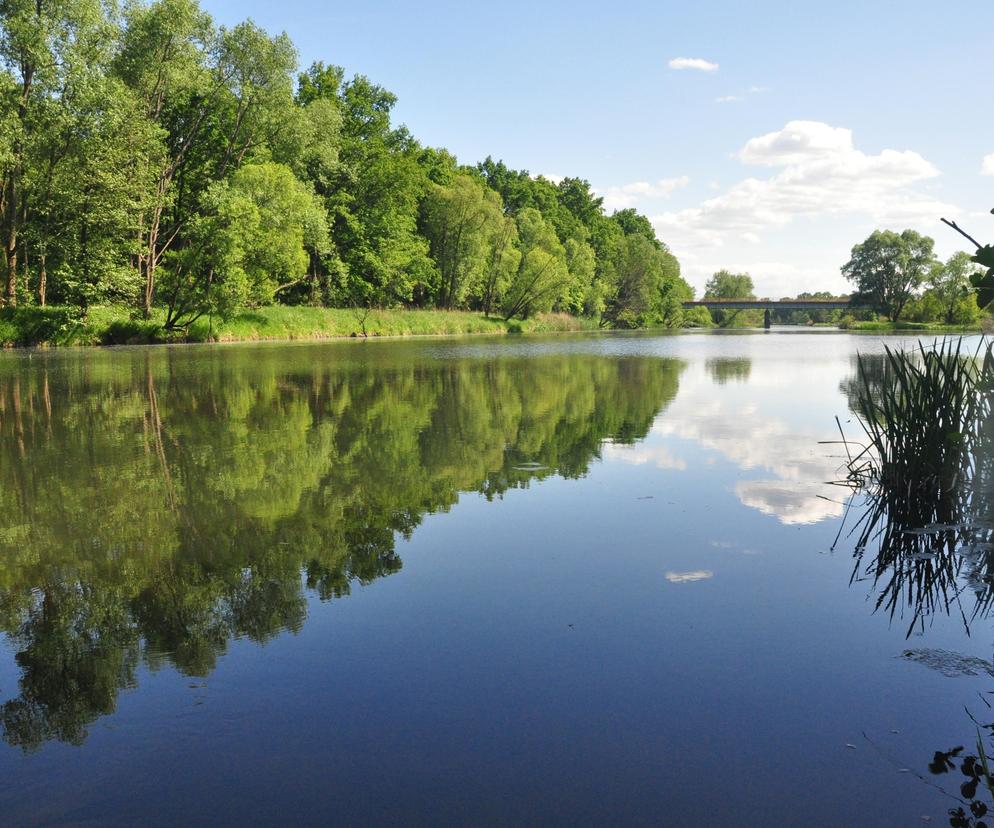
pixel 925 472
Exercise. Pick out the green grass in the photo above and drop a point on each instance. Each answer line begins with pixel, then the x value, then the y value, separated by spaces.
pixel 110 325
pixel 884 325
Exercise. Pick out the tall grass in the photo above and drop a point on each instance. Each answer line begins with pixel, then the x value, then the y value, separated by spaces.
pixel 110 325
pixel 926 472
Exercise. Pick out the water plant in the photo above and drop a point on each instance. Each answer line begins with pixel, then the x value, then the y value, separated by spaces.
pixel 925 476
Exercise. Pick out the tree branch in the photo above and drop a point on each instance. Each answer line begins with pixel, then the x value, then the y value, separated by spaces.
pixel 962 232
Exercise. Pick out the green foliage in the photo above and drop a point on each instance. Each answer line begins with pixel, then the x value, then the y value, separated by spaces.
pixel 543 274
pixel 461 220
pixel 726 285
pixel 889 267
pixel 156 505
pixel 149 156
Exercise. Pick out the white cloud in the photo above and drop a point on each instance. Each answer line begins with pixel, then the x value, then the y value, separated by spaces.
pixel 642 454
pixel 689 577
pixel 626 195
pixel 798 142
pixel 820 174
pixel 755 90
pixel 555 179
pixel 987 165
pixel 728 99
pixel 698 64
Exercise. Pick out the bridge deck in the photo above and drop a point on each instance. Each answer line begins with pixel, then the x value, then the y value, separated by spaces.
pixel 769 304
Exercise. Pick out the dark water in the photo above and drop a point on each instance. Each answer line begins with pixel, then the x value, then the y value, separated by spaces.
pixel 576 580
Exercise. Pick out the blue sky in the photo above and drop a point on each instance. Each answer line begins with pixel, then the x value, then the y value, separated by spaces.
pixel 820 122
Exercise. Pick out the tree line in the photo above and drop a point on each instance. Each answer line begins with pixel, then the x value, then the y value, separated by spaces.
pixel 153 159
pixel 895 274
pixel 899 276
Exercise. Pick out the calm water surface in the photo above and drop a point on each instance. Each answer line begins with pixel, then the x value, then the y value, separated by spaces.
pixel 582 579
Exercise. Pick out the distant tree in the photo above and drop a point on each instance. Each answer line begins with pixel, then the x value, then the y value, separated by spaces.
pixel 888 268
pixel 950 283
pixel 727 285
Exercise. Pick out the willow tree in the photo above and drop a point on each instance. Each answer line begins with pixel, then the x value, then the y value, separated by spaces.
pixel 460 220
pixel 216 96
pixel 543 272
pixel 255 238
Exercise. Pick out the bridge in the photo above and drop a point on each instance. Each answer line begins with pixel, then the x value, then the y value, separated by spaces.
pixel 768 305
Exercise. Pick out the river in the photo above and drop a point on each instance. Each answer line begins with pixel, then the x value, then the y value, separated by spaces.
pixel 598 579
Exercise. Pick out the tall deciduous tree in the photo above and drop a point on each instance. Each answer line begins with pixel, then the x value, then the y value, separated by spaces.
pixel 542 273
pixel 460 219
pixel 889 267
pixel 216 96
pixel 255 238
pixel 950 284
pixel 727 285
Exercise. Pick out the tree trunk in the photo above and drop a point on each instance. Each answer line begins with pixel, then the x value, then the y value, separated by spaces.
pixel 42 279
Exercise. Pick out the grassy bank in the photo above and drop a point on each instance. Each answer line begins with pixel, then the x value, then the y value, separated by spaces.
pixel 885 326
pixel 108 325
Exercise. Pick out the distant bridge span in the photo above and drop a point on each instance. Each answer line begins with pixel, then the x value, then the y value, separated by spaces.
pixel 768 305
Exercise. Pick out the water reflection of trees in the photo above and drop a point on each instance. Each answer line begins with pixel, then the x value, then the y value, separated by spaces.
pixel 157 504
pixel 729 369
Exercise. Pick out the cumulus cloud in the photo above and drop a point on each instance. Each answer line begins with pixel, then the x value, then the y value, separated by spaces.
pixel 819 173
pixel 698 64
pixel 727 99
pixel 627 195
pixel 987 165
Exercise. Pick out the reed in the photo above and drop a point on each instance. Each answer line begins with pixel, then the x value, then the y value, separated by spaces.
pixel 926 475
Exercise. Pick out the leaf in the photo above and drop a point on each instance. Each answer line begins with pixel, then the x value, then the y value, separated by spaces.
pixel 969 788
pixel 985 256
pixel 983 283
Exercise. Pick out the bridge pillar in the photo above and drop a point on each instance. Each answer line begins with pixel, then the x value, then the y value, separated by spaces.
pixel 766 319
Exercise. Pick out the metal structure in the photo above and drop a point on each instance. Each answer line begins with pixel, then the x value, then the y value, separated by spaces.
pixel 768 305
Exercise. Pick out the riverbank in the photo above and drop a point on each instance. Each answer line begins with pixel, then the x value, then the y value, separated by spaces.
pixel 883 326
pixel 110 325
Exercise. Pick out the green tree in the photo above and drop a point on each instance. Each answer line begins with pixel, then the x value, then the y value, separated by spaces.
pixel 502 262
pixel 48 53
pixel 218 97
pixel 727 285
pixel 259 232
pixel 950 284
pixel 542 274
pixel 379 186
pixel 460 221
pixel 888 268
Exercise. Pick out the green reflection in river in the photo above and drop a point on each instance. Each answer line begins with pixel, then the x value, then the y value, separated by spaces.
pixel 156 503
